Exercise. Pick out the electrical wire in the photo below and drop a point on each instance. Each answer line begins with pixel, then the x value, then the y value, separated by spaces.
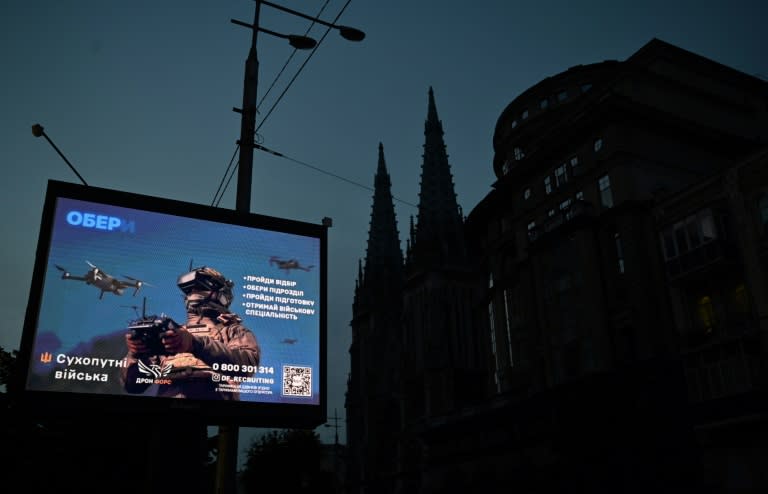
pixel 302 67
pixel 316 168
pixel 220 191
pixel 225 181
pixel 290 57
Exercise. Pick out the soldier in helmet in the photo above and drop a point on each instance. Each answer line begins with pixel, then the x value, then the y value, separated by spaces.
pixel 212 339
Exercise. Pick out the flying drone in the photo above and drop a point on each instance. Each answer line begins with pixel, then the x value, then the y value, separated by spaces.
pixel 103 281
pixel 288 264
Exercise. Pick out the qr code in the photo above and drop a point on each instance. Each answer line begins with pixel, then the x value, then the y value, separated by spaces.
pixel 297 381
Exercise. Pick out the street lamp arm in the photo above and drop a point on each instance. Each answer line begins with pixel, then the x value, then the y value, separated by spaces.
pixel 347 32
pixel 296 41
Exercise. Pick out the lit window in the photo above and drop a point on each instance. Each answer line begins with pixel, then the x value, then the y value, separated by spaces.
pixel 740 299
pixel 580 195
pixel 560 175
pixel 548 184
pixel 524 115
pixel 598 144
pixel 562 96
pixel 519 154
pixel 527 193
pixel 544 103
pixel 619 252
pixel 586 87
pixel 531 226
pixel 551 213
pixel 606 196
pixel 706 313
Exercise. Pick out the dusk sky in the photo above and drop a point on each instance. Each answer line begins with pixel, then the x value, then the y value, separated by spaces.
pixel 139 96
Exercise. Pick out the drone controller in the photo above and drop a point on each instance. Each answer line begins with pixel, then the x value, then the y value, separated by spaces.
pixel 150 330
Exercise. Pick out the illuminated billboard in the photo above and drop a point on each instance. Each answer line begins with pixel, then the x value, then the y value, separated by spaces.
pixel 143 304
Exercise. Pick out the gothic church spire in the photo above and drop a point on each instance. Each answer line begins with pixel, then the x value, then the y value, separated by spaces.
pixel 438 236
pixel 384 257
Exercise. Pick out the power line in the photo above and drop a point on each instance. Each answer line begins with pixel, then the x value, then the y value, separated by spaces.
pixel 302 67
pixel 290 57
pixel 217 198
pixel 316 168
pixel 225 180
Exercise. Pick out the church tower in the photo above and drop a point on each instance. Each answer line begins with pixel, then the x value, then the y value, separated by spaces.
pixel 372 401
pixel 439 288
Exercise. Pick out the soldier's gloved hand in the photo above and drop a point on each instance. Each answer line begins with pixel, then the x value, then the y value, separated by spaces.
pixel 177 341
pixel 135 346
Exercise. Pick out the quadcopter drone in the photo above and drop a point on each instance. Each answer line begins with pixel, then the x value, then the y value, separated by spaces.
pixel 288 264
pixel 103 281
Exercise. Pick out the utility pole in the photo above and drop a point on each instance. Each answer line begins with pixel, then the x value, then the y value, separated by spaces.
pixel 226 468
pixel 248 121
pixel 226 463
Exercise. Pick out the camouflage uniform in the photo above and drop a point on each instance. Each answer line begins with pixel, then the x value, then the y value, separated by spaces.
pixel 218 338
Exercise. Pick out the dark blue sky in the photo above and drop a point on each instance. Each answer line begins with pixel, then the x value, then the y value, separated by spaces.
pixel 139 96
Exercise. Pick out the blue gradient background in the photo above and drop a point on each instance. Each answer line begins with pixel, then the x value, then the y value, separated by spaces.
pixel 159 250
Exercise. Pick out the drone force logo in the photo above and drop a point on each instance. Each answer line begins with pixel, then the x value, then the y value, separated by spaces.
pixel 100 222
pixel 155 373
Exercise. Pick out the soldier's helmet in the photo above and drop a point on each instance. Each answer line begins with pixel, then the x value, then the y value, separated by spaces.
pixel 206 288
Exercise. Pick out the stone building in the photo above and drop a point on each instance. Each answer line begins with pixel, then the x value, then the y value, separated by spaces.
pixel 613 317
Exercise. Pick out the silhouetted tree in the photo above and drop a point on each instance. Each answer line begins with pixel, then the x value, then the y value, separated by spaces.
pixel 7 367
pixel 285 461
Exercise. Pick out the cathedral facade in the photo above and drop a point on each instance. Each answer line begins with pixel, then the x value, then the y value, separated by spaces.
pixel 598 321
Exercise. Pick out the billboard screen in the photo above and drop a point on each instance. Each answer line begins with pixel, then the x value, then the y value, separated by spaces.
pixel 142 304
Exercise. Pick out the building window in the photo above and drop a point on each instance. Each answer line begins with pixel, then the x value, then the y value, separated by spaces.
pixel 598 145
pixel 762 206
pixel 565 208
pixel 619 251
pixel 561 176
pixel 580 195
pixel 543 104
pixel 508 325
pixel 518 153
pixel 506 167
pixel 575 168
pixel 524 115
pixel 705 312
pixel 527 193
pixel 492 329
pixel 562 95
pixel 694 231
pixel 551 213
pixel 586 87
pixel 532 230
pixel 514 123
pixel 548 184
pixel 606 196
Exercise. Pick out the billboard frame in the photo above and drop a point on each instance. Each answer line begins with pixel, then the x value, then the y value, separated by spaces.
pixel 57 404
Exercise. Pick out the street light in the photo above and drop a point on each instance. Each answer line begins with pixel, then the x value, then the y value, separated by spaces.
pixel 296 41
pixel 346 32
pixel 226 467
pixel 248 110
pixel 39 131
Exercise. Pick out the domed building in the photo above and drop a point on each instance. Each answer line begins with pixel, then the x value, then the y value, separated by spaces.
pixel 597 322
